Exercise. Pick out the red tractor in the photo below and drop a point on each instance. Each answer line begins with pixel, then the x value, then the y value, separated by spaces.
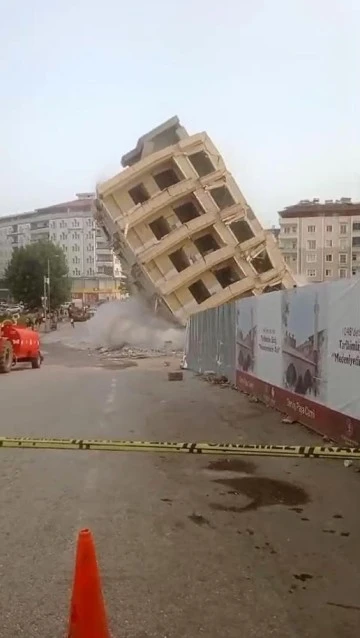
pixel 18 345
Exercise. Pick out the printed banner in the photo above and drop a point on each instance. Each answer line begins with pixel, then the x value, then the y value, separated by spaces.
pixel 344 347
pixel 306 342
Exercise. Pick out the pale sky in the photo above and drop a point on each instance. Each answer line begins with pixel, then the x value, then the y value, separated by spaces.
pixel 276 84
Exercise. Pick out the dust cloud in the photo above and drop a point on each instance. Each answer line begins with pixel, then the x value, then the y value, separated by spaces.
pixel 130 322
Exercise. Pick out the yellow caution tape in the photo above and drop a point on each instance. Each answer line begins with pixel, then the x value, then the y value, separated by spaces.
pixel 302 451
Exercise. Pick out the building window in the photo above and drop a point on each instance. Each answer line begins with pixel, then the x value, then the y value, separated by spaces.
pixel 356 226
pixel 311 257
pixel 179 260
pixel 206 244
pixel 311 229
pixel 160 227
pixel 186 212
pixel 328 272
pixel 328 243
pixel 343 244
pixel 166 178
pixel 202 163
pixel 241 230
pixel 311 272
pixel 286 230
pixel 199 291
pixel 343 229
pixel 356 241
pixel 311 244
pixel 228 274
pixel 64 247
pixel 139 194
pixel 328 258
pixel 329 229
pixel 343 258
pixel 261 263
pixel 222 197
pixel 343 273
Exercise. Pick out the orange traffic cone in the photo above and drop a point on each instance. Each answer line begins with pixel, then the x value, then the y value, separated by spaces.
pixel 87 612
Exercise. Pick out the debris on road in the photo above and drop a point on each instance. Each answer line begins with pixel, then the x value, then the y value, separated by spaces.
pixel 175 376
pixel 127 351
pixel 211 377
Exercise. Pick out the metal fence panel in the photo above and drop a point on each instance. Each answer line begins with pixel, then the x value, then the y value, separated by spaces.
pixel 211 341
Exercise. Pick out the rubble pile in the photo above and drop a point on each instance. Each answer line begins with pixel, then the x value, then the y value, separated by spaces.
pixel 130 330
pixel 127 351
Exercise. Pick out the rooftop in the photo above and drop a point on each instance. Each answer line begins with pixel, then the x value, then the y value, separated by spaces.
pixel 166 134
pixel 315 208
pixel 82 203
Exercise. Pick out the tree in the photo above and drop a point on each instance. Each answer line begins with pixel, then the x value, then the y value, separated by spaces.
pixel 26 271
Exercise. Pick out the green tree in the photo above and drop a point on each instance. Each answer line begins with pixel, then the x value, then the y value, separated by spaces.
pixel 27 268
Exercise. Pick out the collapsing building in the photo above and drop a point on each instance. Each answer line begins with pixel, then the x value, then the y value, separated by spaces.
pixel 185 235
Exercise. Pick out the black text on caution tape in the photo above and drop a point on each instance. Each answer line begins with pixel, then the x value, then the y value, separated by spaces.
pixel 240 449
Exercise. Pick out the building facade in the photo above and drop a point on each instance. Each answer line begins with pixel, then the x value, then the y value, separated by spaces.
pixel 186 236
pixel 321 241
pixel 70 225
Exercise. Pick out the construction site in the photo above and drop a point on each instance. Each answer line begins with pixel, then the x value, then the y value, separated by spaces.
pixel 157 478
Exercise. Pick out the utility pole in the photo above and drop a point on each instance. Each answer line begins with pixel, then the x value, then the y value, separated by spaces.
pixel 45 301
pixel 47 294
pixel 48 282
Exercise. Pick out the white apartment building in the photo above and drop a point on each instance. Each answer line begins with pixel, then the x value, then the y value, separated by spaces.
pixel 70 225
pixel 321 241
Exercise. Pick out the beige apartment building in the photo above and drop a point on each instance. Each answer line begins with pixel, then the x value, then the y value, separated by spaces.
pixel 321 241
pixel 186 237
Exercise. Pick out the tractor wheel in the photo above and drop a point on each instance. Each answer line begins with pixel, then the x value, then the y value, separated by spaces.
pixel 36 363
pixel 6 355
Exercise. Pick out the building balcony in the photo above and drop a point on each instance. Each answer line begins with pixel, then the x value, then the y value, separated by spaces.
pixel 175 237
pixel 193 272
pixel 162 199
pixel 287 248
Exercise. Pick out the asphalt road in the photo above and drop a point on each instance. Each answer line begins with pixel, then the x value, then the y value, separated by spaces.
pixel 187 545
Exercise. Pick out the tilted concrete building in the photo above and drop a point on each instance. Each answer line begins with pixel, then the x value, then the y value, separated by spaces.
pixel 185 235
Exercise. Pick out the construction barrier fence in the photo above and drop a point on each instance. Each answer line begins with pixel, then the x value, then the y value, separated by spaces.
pixel 297 350
pixel 211 339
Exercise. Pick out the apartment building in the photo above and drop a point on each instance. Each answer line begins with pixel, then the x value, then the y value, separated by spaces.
pixel 183 230
pixel 321 241
pixel 274 231
pixel 71 225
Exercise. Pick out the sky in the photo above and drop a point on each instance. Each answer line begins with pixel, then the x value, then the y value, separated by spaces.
pixel 275 83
